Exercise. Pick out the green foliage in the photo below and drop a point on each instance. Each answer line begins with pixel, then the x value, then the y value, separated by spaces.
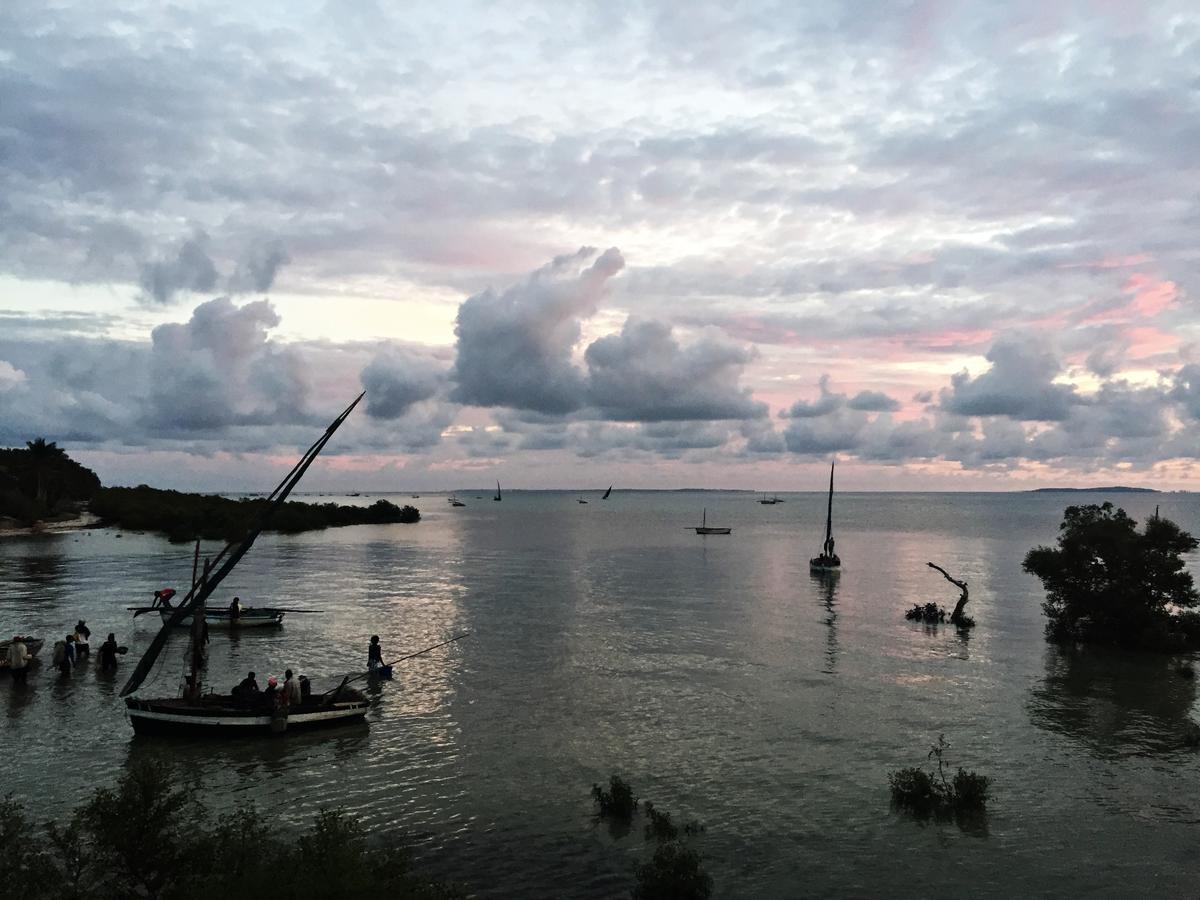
pixel 674 873
pixel 926 792
pixel 930 614
pixel 1108 583
pixel 617 802
pixel 150 837
pixel 184 517
pixel 39 480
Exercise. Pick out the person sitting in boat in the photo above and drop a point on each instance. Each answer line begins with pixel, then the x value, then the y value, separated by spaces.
pixel 83 636
pixel 292 694
pixel 374 654
pixel 235 610
pixel 108 654
pixel 246 692
pixel 162 598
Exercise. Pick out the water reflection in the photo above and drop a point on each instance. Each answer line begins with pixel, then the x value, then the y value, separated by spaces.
pixel 1116 704
pixel 827 587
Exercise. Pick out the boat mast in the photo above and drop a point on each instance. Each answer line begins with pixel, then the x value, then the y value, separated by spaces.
pixel 235 550
pixel 827 546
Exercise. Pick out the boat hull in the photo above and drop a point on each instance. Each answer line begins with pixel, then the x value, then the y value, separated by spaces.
pixel 702 529
pixel 177 717
pixel 221 619
pixel 825 564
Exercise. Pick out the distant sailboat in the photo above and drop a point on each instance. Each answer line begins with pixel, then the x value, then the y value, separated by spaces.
pixel 454 501
pixel 497 498
pixel 827 561
pixel 581 500
pixel 769 501
pixel 705 528
pixel 606 493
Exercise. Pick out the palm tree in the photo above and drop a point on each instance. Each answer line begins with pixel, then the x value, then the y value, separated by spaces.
pixel 43 458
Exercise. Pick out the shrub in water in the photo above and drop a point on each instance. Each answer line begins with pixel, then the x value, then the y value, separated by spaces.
pixel 926 792
pixel 659 825
pixel 675 873
pixel 617 802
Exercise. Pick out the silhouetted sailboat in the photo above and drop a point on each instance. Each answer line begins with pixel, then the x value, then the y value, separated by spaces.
pixel 606 493
pixel 705 528
pixel 225 714
pixel 827 561
pixel 497 498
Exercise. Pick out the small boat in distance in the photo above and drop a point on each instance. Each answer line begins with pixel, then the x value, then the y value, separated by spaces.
pixel 606 493
pixel 705 528
pixel 827 561
pixel 771 501
pixel 581 500
pixel 454 501
pixel 497 498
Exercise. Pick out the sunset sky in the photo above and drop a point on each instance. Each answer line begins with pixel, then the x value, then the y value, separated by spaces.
pixel 953 244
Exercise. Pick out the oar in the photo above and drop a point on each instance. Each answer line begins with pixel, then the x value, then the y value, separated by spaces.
pixel 349 678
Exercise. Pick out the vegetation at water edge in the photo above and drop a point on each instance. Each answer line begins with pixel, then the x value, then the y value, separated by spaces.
pixel 184 517
pixel 1109 583
pixel 41 482
pixel 151 837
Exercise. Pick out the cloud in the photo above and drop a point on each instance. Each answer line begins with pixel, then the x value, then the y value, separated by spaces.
pixel 257 268
pixel 188 269
pixel 220 369
pixel 644 374
pixel 1020 384
pixel 10 376
pixel 397 379
pixel 515 346
pixel 873 401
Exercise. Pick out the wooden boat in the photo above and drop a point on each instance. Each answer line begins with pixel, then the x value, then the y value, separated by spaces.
pixel 705 528
pixel 497 498
pixel 251 617
pixel 220 715
pixel 224 715
pixel 827 560
pixel 33 645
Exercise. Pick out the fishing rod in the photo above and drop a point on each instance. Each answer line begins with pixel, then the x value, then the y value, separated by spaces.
pixel 348 678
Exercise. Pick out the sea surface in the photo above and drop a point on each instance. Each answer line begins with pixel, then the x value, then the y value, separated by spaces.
pixel 714 674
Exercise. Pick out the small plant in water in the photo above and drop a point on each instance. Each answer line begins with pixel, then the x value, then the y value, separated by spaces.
pixel 674 873
pixel 617 802
pixel 931 793
pixel 930 614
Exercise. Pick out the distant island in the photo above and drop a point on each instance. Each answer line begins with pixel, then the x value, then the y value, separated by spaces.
pixel 40 485
pixel 1114 489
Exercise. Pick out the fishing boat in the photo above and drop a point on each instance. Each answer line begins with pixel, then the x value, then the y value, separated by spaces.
pixel 250 617
pixel 581 500
pixel 705 528
pixel 227 715
pixel 769 501
pixel 454 501
pixel 827 561
pixel 606 493
pixel 497 498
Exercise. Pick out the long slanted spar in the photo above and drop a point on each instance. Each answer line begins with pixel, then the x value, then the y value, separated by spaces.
pixel 231 554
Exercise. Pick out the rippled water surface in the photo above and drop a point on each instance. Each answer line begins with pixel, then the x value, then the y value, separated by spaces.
pixel 715 674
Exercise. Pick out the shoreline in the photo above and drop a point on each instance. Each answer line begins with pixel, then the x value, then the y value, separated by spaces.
pixel 59 526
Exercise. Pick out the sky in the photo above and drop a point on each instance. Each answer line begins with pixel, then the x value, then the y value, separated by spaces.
pixel 951 244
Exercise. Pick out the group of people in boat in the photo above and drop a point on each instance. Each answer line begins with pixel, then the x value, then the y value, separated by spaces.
pixel 69 651
pixel 276 698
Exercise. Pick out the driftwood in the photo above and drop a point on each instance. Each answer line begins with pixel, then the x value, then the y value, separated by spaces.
pixel 956 617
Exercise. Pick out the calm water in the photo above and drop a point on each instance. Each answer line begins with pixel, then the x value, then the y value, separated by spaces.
pixel 714 673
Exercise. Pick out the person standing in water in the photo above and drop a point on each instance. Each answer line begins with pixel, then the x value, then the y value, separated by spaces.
pixel 374 654
pixel 108 654
pixel 18 660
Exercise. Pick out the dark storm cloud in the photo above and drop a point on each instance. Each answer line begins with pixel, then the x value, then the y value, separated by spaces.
pixel 397 379
pixel 514 347
pixel 1019 384
pixel 644 374
pixel 187 269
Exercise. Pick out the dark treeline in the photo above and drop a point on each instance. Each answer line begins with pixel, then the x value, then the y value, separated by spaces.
pixel 40 481
pixel 184 517
pixel 151 837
